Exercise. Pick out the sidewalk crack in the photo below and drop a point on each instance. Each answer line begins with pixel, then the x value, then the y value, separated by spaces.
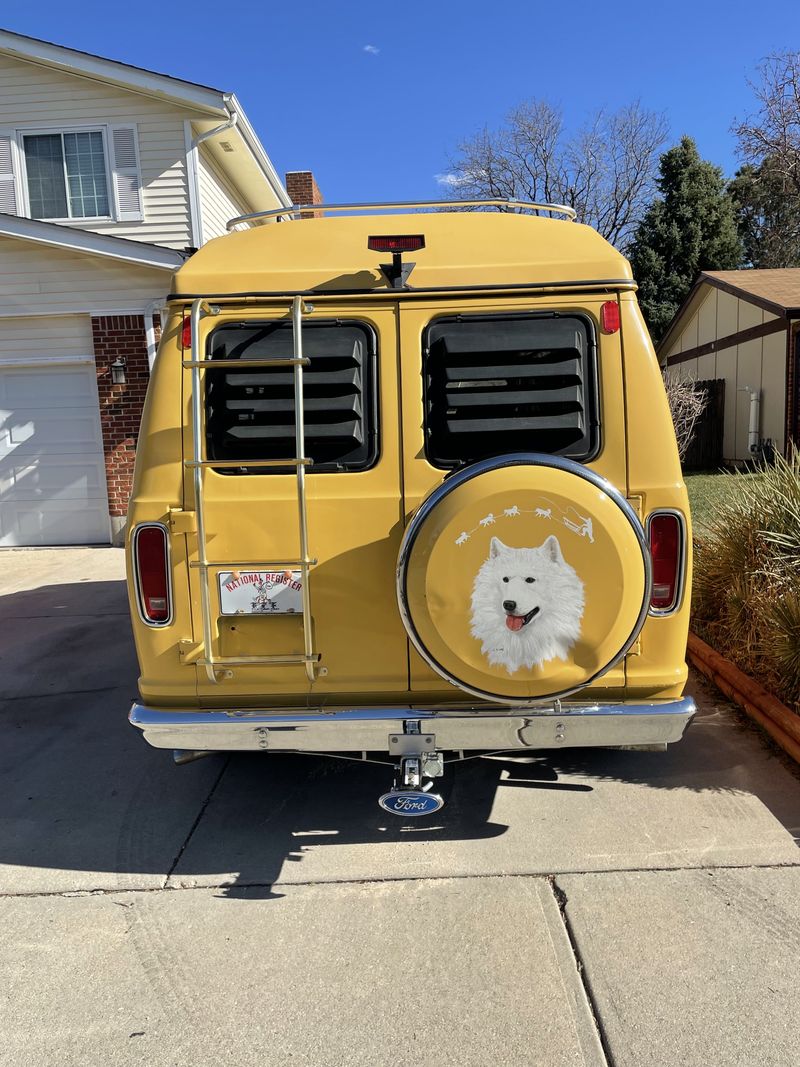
pixel 561 902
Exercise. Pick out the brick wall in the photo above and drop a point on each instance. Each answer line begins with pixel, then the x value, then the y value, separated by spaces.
pixel 120 337
pixel 302 189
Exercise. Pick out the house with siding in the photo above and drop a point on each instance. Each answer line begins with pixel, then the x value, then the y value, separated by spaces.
pixel 742 327
pixel 110 176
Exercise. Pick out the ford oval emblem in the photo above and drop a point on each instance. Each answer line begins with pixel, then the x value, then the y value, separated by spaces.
pixel 410 802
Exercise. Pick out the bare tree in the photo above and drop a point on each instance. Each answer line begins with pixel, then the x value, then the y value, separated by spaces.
pixel 686 404
pixel 606 171
pixel 773 132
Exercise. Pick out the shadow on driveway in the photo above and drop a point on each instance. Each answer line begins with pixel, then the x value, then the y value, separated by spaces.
pixel 86 804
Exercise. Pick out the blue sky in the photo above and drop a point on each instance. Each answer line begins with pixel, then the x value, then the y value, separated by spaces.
pixel 380 122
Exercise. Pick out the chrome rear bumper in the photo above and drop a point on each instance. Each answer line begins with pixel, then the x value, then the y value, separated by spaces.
pixel 455 727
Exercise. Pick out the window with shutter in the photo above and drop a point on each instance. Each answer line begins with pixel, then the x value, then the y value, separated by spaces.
pixel 73 173
pixel 8 190
pixel 127 179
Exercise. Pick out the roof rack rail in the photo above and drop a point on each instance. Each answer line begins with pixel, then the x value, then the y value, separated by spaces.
pixel 403 205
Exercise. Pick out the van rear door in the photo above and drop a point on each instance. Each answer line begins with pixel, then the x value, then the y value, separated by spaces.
pixel 489 376
pixel 353 491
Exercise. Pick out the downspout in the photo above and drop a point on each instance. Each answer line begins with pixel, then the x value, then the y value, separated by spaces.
pixel 154 306
pixel 192 168
pixel 256 149
pixel 753 435
pixel 231 122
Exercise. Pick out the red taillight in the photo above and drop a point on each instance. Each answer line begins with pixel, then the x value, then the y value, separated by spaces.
pixel 409 242
pixel 186 333
pixel 666 547
pixel 152 579
pixel 609 316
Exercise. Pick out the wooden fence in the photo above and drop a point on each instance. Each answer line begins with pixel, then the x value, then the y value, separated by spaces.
pixel 705 451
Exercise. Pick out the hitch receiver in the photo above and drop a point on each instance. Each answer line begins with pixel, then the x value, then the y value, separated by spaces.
pixel 418 764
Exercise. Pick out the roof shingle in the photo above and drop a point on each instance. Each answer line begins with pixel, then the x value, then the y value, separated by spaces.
pixel 780 286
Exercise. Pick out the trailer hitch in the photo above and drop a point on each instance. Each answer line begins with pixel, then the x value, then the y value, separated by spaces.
pixel 418 764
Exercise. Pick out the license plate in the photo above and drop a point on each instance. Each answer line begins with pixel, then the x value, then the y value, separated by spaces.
pixel 261 592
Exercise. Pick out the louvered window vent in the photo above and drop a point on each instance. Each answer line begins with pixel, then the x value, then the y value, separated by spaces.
pixel 250 414
pixel 513 383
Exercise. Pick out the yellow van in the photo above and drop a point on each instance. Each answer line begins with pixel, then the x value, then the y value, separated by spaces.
pixel 407 488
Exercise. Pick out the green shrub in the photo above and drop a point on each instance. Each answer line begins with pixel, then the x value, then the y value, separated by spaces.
pixel 746 597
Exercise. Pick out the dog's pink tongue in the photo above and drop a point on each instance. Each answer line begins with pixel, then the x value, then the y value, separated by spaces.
pixel 514 622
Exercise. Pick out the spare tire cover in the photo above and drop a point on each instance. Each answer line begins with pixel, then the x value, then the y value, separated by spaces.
pixel 523 578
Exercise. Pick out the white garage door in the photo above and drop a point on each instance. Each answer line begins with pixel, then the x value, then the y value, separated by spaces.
pixel 52 475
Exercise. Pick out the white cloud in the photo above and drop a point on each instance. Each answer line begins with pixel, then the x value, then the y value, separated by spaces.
pixel 449 179
pixel 372 49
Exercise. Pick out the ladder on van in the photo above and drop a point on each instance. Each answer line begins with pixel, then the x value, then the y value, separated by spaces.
pixel 217 667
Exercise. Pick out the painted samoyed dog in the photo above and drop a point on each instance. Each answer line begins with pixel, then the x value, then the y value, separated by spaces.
pixel 527 605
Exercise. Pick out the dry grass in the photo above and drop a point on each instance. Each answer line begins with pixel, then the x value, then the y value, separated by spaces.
pixel 746 600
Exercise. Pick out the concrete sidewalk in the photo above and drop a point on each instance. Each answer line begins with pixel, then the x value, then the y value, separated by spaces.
pixel 571 908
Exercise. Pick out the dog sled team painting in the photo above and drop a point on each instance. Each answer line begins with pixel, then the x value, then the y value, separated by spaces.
pixel 527 605
pixel 572 519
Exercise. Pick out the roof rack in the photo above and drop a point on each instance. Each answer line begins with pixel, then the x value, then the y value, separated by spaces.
pixel 295 210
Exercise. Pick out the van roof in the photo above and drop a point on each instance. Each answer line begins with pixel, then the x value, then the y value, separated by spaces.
pixel 462 249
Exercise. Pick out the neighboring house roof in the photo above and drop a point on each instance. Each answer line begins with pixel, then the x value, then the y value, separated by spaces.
pixel 776 291
pixel 214 104
pixel 780 289
pixel 97 244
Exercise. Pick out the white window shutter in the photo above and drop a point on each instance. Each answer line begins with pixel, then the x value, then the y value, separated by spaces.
pixel 8 188
pixel 127 175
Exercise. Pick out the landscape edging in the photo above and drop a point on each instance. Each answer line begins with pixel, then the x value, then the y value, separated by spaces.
pixel 779 721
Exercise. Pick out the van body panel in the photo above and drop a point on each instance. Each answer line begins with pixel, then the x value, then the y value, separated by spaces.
pixel 655 477
pixel 461 249
pixel 158 491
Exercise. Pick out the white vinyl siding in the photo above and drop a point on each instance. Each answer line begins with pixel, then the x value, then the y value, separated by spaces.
pixel 37 97
pixel 219 201
pixel 38 279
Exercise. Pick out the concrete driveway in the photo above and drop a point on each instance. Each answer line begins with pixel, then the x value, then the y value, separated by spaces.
pixel 576 908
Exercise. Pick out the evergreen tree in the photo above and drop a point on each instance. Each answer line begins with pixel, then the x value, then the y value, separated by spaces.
pixel 688 228
pixel 768 214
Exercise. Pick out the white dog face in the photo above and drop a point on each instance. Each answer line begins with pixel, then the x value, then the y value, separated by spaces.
pixel 527 605
pixel 525 585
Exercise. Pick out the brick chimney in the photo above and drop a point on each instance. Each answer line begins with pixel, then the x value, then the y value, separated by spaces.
pixel 302 189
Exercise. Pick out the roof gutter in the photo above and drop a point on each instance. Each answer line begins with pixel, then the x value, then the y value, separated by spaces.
pixel 96 244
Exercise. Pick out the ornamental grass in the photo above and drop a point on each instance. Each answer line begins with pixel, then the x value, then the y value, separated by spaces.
pixel 746 596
